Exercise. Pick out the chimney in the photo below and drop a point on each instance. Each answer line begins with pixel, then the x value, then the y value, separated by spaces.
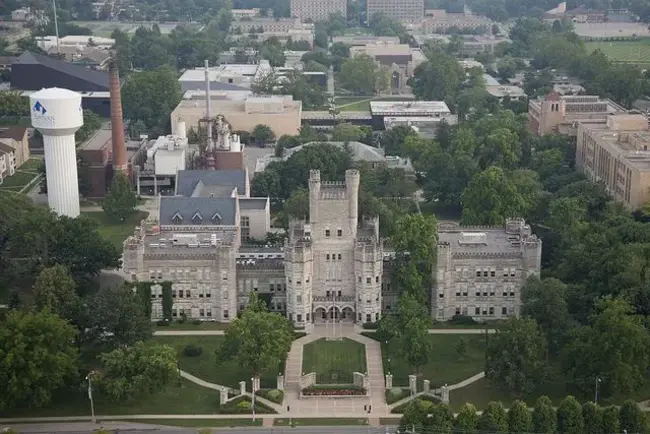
pixel 117 122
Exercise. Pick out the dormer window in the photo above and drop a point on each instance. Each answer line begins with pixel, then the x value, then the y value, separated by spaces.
pixel 197 218
pixel 178 218
pixel 216 218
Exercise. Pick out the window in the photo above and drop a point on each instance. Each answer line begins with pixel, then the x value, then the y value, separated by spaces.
pixel 504 310
pixel 299 318
pixel 173 293
pixel 174 313
pixel 492 273
pixel 359 278
pixel 226 315
pixel 339 233
pixel 177 219
pixel 512 293
pixel 377 316
pixel 376 279
pixel 180 293
pixel 505 294
pixel 491 311
pixel 307 317
pixel 505 272
pixel 458 311
pixel 327 257
pixel 368 317
pixel 271 287
pixel 492 293
pixel 188 294
pixel 152 274
pixel 485 294
pixel 441 295
pixel 201 312
pixel 209 313
pixel 340 256
pixel 478 293
pixel 327 294
pixel 245 221
pixel 208 294
pixel 457 293
pixel 478 273
pixel 367 279
pixel 298 298
pixel 327 233
pixel 216 218
pixel 339 293
pixel 200 294
pixel 512 272
pixel 477 311
pixel 465 294
pixel 197 218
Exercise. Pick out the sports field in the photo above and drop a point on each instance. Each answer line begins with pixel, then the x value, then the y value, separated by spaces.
pixel 635 52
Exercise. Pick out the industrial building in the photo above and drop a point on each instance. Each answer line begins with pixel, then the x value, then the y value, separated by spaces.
pixel 617 155
pixel 400 10
pixel 318 10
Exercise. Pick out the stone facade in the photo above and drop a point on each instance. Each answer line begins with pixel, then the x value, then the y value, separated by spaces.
pixel 331 267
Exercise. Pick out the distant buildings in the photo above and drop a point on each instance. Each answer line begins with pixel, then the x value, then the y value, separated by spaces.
pixel 397 60
pixel 401 10
pixel 514 93
pixel 362 40
pixel 282 28
pixel 317 10
pixel 247 13
pixel 386 114
pixel 14 150
pixel 617 155
pixel 440 21
pixel 561 114
pixel 229 77
pixel 45 43
pixel 83 55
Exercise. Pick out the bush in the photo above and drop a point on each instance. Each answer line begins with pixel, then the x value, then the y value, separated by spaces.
pixel 192 351
pixel 395 394
pixel 462 320
pixel 425 402
pixel 244 405
pixel 298 335
pixel 197 322
pixel 162 323
pixel 273 395
pixel 370 325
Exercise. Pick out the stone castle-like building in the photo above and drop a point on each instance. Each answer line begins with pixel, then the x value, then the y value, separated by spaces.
pixel 332 266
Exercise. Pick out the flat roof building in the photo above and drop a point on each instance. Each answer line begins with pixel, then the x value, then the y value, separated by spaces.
pixel 400 10
pixel 361 40
pixel 617 154
pixel 561 114
pixel 501 91
pixel 387 114
pixel 440 21
pixel 318 10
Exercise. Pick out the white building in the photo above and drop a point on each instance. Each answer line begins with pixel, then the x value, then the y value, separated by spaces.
pixel 47 42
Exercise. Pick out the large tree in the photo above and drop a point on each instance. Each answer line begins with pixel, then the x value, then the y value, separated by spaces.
pixel 494 418
pixel 56 291
pixel 257 339
pixel 593 418
pixel 137 371
pixel 519 418
pixel 346 132
pixel 37 356
pixel 569 416
pixel 121 200
pixel 544 416
pixel 439 78
pixel 362 75
pixel 633 418
pixel 515 356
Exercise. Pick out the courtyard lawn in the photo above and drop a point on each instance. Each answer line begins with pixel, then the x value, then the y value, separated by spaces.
pixel 116 233
pixel 319 422
pixel 636 52
pixel 206 367
pixel 334 361
pixel 204 325
pixel 23 176
pixel 445 366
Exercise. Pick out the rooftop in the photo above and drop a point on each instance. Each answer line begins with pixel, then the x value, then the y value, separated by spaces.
pixel 480 241
pixel 16 132
pixel 99 140
pixel 188 180
pixel 501 91
pixel 490 81
pixel 197 211
pixel 253 203
pixel 408 108
pixel 286 103
pixel 78 72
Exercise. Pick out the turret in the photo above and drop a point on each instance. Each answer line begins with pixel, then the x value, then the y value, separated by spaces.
pixel 314 195
pixel 352 180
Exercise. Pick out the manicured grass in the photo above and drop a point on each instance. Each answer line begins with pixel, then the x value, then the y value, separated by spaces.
pixel 623 51
pixel 23 175
pixel 358 106
pixel 388 421
pixel 320 422
pixel 334 361
pixel 205 325
pixel 116 233
pixel 33 164
pixel 445 366
pixel 206 367
pixel 201 423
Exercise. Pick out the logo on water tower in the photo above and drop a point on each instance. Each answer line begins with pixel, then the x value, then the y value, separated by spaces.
pixel 41 116
pixel 39 108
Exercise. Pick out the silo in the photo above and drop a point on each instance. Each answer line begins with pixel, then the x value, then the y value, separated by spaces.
pixel 57 114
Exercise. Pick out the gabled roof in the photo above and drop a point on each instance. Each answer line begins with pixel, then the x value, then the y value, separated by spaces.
pixel 360 151
pixel 6 149
pixel 187 181
pixel 205 207
pixel 17 133
pixel 98 78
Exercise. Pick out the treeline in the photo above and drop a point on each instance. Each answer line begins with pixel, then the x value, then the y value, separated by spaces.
pixel 424 416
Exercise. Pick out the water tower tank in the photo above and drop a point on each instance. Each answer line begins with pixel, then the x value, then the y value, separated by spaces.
pixel 57 114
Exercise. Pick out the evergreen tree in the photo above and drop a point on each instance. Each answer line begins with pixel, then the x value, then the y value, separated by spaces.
pixel 569 416
pixel 593 418
pixel 544 418
pixel 494 418
pixel 611 420
pixel 121 200
pixel 632 418
pixel 467 419
pixel 519 418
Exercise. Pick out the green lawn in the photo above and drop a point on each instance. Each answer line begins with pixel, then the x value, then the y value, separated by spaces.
pixel 201 423
pixel 623 51
pixel 320 422
pixel 23 175
pixel 204 325
pixel 205 366
pixel 361 103
pixel 446 365
pixel 116 233
pixel 334 361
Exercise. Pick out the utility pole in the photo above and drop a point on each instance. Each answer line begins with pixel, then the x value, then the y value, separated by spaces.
pixel 89 377
pixel 253 399
pixel 56 28
pixel 596 396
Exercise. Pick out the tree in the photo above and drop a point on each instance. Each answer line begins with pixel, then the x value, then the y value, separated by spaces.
pixel 545 302
pixel 150 97
pixel 262 134
pixel 257 340
pixel 593 418
pixel 611 420
pixel 515 356
pixel 392 140
pixel 494 418
pixel 56 291
pixel 288 142
pixel 37 356
pixel 632 418
pixel 461 347
pixel 621 368
pixel 140 370
pixel 569 416
pixel 13 104
pixel 413 340
pixel 362 75
pixel 441 419
pixel 120 202
pixel 266 184
pixel 346 132
pixel 467 419
pixel 116 318
pixel 490 198
pixel 439 78
pixel 92 122
pixel 544 417
pixel 519 418
pixel 297 205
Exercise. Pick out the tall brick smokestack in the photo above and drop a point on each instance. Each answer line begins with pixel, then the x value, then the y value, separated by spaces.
pixel 117 122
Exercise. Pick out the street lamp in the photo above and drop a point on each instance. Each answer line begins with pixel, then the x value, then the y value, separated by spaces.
pixel 90 394
pixel 596 396
pixel 253 387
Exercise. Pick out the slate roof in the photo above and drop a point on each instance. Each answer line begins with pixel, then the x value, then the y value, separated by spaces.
pixel 5 149
pixel 360 151
pixel 17 133
pixel 202 190
pixel 188 179
pixel 212 211
pixel 98 78
pixel 257 203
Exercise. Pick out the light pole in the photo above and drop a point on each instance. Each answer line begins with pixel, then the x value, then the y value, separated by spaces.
pixel 253 387
pixel 596 396
pixel 89 377
pixel 56 28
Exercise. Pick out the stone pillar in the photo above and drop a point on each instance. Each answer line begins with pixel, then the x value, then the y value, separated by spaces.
pixel 138 182
pixel 427 386
pixel 389 381
pixel 366 382
pixel 223 396
pixel 280 382
pixel 444 394
pixel 242 387
pixel 155 185
pixel 413 384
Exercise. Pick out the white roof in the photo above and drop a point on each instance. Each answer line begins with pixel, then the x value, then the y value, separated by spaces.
pixel 408 108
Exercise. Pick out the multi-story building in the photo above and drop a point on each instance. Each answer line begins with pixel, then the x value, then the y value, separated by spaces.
pixel 401 10
pixel 333 266
pixel 440 21
pixel 617 155
pixel 561 114
pixel 7 162
pixel 397 60
pixel 480 271
pixel 317 10
pixel 16 137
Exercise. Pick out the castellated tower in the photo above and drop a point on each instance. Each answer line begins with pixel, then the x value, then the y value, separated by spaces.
pixel 352 181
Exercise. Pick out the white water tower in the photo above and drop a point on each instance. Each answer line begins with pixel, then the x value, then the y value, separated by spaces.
pixel 57 114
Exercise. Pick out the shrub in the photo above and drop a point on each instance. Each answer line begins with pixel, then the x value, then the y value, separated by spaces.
pixel 370 325
pixel 244 405
pixel 298 335
pixel 272 395
pixel 462 320
pixel 395 394
pixel 162 323
pixel 192 351
pixel 197 322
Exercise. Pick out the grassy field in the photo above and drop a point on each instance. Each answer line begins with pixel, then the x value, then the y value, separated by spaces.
pixel 320 422
pixel 205 325
pixel 23 176
pixel 334 361
pixel 636 52
pixel 446 365
pixel 206 367
pixel 116 233
pixel 201 423
pixel 360 103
